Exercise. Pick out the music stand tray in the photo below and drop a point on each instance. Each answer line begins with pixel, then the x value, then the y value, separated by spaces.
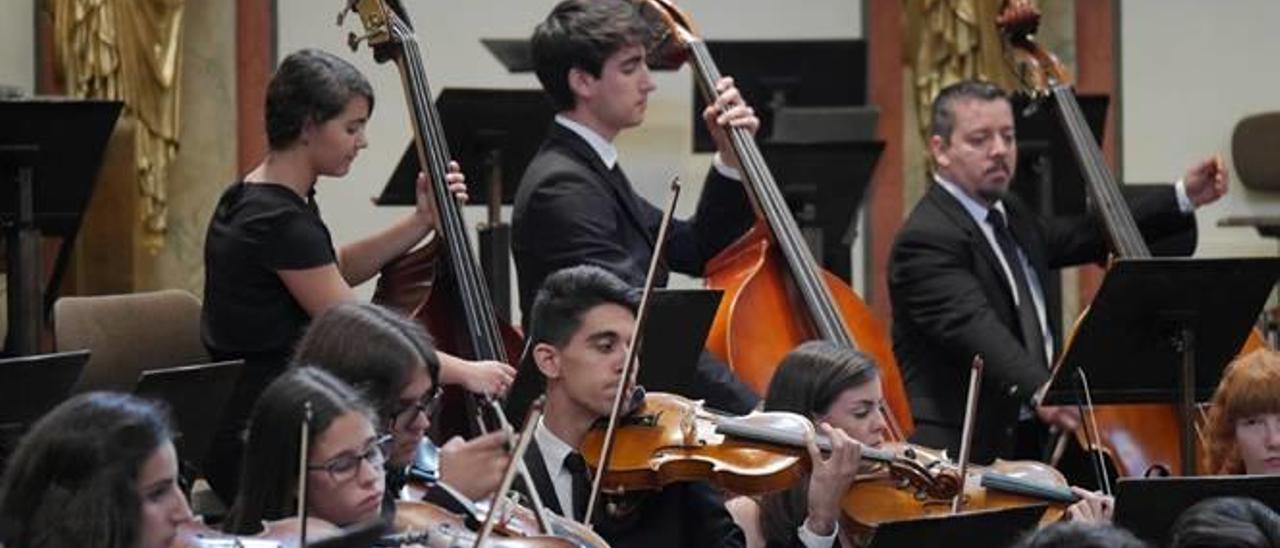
pixel 30 386
pixel 197 396
pixel 1149 506
pixel 982 528
pixel 1162 330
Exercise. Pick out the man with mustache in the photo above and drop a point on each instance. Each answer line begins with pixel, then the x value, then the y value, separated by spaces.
pixel 967 275
pixel 576 206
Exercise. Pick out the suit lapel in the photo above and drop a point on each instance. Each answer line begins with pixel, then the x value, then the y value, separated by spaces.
pixel 616 181
pixel 956 214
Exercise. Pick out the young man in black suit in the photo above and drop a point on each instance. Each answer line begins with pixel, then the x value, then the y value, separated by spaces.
pixel 580 326
pixel 575 206
pixel 967 273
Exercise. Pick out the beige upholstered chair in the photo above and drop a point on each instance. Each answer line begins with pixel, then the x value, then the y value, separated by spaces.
pixel 129 334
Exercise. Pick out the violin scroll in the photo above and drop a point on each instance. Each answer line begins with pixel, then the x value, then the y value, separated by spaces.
pixel 1038 69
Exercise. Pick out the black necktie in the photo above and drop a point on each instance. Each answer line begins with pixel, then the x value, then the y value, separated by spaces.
pixel 577 467
pixel 1028 320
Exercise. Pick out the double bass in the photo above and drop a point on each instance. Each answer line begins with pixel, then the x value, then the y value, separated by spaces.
pixel 1133 439
pixel 776 296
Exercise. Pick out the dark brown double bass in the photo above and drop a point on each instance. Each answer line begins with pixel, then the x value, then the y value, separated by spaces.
pixel 775 294
pixel 442 288
pixel 1136 439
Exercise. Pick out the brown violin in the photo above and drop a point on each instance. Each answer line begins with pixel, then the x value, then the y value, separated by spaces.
pixel 284 533
pixel 422 523
pixel 670 438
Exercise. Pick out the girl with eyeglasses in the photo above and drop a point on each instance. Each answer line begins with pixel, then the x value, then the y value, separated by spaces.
pixel 345 459
pixel 391 361
pixel 99 470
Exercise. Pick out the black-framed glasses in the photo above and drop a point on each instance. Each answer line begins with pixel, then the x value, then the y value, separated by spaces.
pixel 407 414
pixel 344 468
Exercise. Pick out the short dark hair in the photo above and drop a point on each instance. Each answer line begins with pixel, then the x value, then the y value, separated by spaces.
pixel 942 120
pixel 1072 534
pixel 582 34
pixel 73 479
pixel 310 86
pixel 557 313
pixel 568 294
pixel 1235 522
pixel 374 349
pixel 269 472
pixel 807 381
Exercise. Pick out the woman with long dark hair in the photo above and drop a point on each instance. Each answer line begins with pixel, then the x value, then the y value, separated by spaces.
pixel 99 471
pixel 391 361
pixel 345 455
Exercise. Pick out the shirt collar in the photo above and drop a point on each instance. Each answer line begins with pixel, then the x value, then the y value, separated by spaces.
pixel 604 149
pixel 976 209
pixel 553 449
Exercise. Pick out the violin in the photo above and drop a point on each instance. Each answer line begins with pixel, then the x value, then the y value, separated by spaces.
pixel 422 523
pixel 283 533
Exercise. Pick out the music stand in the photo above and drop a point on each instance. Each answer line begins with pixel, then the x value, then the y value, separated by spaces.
pixel 824 183
pixel 1148 506
pixel 50 151
pixel 1162 330
pixel 32 385
pixel 493 134
pixel 982 528
pixel 197 396
pixel 674 337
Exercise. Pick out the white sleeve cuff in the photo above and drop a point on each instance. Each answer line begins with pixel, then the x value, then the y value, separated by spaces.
pixel 811 539
pixel 724 169
pixel 1184 201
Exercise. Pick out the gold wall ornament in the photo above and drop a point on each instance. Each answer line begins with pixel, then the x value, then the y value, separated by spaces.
pixel 949 41
pixel 129 50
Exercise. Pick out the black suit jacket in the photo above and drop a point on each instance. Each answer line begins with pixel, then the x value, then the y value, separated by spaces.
pixel 951 300
pixel 690 515
pixel 570 210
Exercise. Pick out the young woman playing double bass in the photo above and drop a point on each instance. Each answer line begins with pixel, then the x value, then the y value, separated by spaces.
pixel 270 262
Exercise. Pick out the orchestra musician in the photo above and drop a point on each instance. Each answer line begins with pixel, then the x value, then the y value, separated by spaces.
pixel 575 205
pixel 580 326
pixel 98 471
pixel 270 262
pixel 1243 427
pixel 967 273
pixel 391 361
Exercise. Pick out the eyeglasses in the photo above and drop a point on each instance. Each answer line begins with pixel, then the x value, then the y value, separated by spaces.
pixel 344 468
pixel 427 406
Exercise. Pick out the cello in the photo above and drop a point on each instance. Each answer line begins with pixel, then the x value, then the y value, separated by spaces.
pixel 1134 439
pixel 775 294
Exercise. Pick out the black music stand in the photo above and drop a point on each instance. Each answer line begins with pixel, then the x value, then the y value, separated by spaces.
pixel 493 134
pixel 197 396
pixel 32 385
pixel 675 335
pixel 824 185
pixel 1162 330
pixel 50 151
pixel 1147 507
pixel 988 528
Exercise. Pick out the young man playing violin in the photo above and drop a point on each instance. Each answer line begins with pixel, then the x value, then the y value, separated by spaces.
pixel 576 206
pixel 579 329
pixel 967 274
